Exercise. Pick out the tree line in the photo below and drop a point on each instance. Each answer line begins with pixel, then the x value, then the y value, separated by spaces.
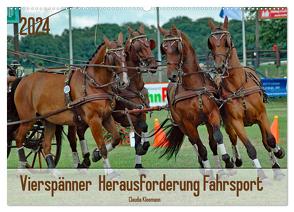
pixel 85 39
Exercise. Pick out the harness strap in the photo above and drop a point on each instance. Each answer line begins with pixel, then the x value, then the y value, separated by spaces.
pixel 68 99
pixel 242 93
pixel 75 103
pixel 192 93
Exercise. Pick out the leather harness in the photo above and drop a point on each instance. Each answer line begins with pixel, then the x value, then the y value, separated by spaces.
pixel 174 96
pixel 243 92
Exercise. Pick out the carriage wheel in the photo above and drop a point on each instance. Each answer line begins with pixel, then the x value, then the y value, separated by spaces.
pixel 34 147
pixel 34 144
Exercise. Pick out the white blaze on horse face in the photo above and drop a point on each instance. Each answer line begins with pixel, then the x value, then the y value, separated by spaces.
pixel 125 78
pixel 217 80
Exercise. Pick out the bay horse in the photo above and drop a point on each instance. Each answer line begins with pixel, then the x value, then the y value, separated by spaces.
pixel 191 101
pixel 41 93
pixel 138 51
pixel 241 90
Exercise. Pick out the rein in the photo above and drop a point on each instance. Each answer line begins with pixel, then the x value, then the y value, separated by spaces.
pixel 225 67
pixel 45 58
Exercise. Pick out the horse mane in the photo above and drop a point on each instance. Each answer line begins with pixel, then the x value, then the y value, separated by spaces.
pixel 94 54
pixel 186 39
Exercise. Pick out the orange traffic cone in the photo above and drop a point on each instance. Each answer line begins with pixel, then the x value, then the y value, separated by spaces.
pixel 275 129
pixel 160 137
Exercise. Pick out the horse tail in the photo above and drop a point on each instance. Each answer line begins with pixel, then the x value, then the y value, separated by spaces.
pixel 175 137
pixel 12 114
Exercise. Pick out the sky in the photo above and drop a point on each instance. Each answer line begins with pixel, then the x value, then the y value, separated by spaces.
pixel 87 17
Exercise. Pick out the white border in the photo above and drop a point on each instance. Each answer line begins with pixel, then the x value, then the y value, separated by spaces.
pixel 146 4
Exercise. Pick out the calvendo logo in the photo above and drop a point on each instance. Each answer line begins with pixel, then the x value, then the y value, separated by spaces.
pixel 157 93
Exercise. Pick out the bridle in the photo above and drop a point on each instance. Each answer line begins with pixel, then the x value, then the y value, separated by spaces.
pixel 143 62
pixel 218 35
pixel 179 64
pixel 109 56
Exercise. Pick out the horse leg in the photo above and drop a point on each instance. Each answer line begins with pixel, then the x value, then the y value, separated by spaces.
pixel 233 138
pixel 95 124
pixel 251 151
pixel 48 136
pixel 110 126
pixel 213 147
pixel 271 141
pixel 201 152
pixel 84 146
pixel 141 142
pixel 197 153
pixel 217 137
pixel 20 138
pixel 71 137
pixel 275 165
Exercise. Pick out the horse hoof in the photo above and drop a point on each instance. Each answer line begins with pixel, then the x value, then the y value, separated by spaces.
pixel 138 166
pixel 87 161
pixel 276 166
pixel 142 149
pixel 229 164
pixel 238 162
pixel 82 166
pixel 96 156
pixel 280 153
pixel 50 161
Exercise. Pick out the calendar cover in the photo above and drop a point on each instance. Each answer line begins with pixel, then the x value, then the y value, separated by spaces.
pixel 150 106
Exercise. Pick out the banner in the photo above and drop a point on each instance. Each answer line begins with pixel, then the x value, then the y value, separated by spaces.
pixel 157 92
pixel 272 14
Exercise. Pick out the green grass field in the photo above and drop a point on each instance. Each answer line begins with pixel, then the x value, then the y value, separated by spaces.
pixel 123 156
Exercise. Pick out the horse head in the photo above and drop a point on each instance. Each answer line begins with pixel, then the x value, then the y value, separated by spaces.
pixel 139 48
pixel 175 46
pixel 220 44
pixel 115 56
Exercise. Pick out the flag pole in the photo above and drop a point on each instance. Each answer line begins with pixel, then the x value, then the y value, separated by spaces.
pixel 70 37
pixel 158 43
pixel 243 37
